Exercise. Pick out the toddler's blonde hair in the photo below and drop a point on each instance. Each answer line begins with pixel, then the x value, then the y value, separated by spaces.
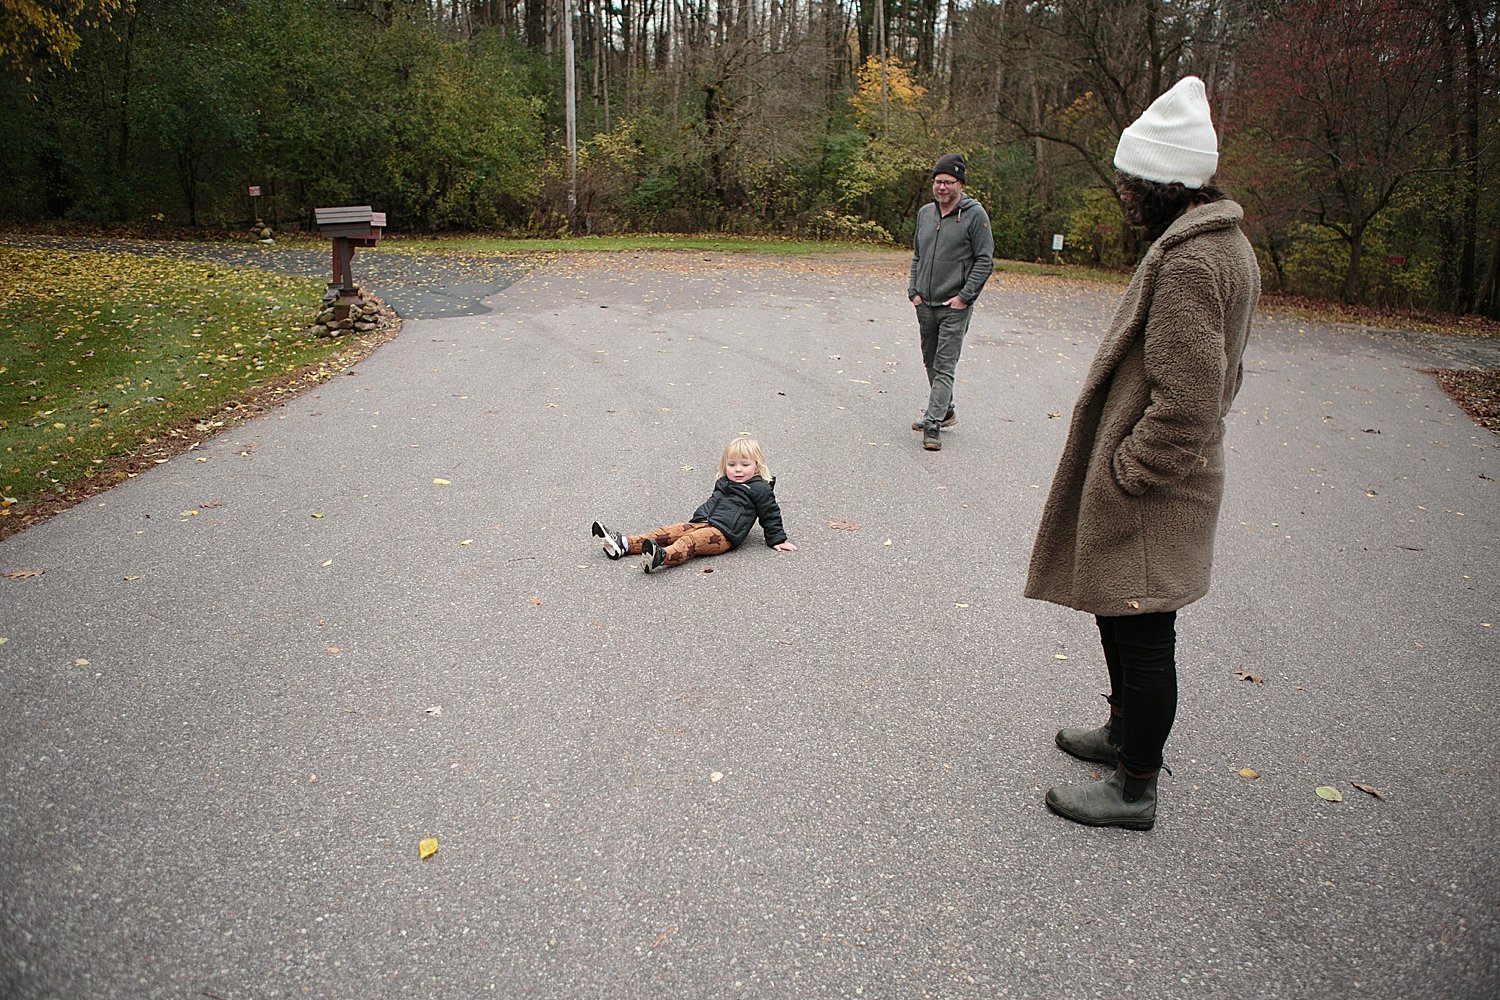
pixel 745 447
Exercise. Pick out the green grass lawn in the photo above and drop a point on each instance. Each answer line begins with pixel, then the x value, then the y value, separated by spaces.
pixel 102 353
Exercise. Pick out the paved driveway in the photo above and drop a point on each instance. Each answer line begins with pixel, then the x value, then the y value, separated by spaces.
pixel 816 774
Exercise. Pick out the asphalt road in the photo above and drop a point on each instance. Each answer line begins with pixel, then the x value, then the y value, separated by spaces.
pixel 249 682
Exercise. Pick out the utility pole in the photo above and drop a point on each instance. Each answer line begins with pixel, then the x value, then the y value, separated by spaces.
pixel 885 111
pixel 572 116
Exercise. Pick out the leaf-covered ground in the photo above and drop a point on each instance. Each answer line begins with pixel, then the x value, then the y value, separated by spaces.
pixel 110 363
pixel 1476 392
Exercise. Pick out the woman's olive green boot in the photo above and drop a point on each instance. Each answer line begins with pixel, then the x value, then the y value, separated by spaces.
pixel 1100 745
pixel 1107 802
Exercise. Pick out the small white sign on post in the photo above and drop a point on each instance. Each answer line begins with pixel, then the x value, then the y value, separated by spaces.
pixel 1057 242
pixel 255 190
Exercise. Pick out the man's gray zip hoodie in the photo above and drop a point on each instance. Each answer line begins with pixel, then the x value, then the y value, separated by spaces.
pixel 951 255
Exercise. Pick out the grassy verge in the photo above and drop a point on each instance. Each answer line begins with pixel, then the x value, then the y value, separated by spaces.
pixel 103 356
pixel 764 245
pixel 614 244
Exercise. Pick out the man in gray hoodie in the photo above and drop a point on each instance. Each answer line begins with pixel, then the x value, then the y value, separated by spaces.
pixel 952 256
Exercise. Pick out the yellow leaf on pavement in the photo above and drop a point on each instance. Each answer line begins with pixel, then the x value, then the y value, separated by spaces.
pixel 441 482
pixel 1249 772
pixel 427 848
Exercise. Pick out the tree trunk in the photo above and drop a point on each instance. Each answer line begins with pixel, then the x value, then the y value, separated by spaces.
pixel 1350 292
pixel 1469 229
pixel 1488 303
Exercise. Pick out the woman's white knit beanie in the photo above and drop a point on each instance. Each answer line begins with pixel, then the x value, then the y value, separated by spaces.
pixel 1173 140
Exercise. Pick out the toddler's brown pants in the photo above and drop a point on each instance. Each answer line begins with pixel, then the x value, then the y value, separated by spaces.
pixel 682 542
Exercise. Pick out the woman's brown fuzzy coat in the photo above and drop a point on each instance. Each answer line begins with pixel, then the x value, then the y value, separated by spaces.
pixel 1129 523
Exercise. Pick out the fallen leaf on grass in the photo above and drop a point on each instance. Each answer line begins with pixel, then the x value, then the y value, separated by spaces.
pixel 844 525
pixel 1370 790
pixel 1329 794
pixel 427 848
pixel 22 574
pixel 1249 772
pixel 1246 675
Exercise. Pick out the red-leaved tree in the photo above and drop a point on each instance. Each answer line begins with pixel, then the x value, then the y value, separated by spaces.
pixel 1346 96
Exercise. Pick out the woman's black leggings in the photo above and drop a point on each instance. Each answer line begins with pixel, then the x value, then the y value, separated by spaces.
pixel 1141 654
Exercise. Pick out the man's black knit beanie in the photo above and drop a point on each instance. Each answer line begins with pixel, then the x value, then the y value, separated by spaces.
pixel 952 164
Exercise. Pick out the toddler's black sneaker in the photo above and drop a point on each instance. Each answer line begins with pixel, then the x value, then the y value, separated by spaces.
pixel 615 545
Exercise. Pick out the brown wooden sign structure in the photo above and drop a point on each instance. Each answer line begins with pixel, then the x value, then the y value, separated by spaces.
pixel 349 226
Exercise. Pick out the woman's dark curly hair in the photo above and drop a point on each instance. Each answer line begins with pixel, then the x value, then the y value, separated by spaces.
pixel 1156 206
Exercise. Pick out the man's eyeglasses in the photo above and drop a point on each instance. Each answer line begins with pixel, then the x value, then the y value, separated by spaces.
pixel 944 184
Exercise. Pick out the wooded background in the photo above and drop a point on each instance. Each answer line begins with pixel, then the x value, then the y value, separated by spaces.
pixel 1359 135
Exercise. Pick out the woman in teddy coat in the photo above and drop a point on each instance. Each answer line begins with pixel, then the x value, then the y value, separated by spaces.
pixel 1127 533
